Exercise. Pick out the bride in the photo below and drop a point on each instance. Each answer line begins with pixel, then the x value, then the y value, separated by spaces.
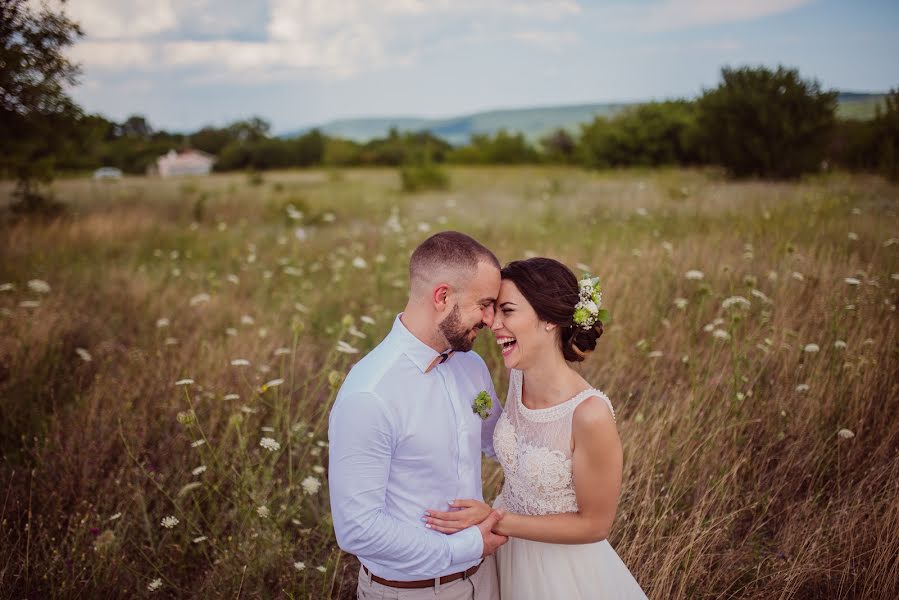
pixel 557 443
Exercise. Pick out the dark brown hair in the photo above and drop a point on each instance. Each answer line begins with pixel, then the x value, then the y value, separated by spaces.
pixel 449 248
pixel 552 290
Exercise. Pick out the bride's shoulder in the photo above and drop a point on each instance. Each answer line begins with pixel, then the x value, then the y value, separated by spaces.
pixel 594 411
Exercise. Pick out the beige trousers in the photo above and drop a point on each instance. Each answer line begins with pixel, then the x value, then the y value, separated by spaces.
pixel 483 585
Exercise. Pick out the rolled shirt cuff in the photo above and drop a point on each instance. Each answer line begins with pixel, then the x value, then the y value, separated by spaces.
pixel 466 546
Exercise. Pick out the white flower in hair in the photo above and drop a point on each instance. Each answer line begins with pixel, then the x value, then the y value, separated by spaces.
pixel 587 311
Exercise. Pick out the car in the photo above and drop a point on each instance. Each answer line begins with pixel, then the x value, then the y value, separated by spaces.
pixel 108 173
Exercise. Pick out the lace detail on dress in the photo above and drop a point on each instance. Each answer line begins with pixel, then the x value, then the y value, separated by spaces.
pixel 534 448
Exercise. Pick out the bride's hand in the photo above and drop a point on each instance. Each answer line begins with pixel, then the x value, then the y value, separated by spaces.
pixel 467 513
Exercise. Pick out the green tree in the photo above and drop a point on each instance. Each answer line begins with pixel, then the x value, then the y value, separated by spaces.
pixel 765 123
pixel 653 134
pixel 886 128
pixel 37 118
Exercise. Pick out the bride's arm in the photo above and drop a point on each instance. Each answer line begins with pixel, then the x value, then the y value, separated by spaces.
pixel 596 467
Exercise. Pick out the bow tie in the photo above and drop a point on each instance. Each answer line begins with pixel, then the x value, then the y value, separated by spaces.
pixel 439 360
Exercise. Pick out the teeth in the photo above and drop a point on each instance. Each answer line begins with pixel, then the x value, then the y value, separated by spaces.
pixel 504 340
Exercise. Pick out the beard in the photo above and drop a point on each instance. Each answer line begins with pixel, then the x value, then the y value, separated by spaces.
pixel 456 334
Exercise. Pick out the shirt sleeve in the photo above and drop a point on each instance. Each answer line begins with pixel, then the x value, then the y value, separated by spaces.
pixel 361 441
pixel 489 424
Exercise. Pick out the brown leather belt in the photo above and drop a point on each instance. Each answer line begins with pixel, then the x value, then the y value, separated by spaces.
pixel 422 583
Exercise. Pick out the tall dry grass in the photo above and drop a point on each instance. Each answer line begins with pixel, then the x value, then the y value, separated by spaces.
pixel 737 481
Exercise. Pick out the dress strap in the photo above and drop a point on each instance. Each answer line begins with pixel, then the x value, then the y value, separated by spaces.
pixel 592 392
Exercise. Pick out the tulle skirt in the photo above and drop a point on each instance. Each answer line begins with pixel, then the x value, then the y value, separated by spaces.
pixel 539 571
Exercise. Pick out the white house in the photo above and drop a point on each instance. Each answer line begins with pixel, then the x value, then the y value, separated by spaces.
pixel 188 162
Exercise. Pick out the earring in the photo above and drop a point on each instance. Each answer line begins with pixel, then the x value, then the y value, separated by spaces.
pixel 548 327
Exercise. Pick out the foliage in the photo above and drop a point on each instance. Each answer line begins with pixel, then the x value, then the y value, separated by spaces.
pixel 765 123
pixel 504 148
pixel 423 176
pixel 37 117
pixel 886 137
pixel 649 135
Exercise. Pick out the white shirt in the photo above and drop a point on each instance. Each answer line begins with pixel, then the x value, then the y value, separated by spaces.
pixel 402 441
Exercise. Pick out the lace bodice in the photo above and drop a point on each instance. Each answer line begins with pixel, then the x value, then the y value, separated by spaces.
pixel 534 448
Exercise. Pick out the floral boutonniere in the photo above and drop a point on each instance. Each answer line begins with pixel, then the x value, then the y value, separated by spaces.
pixel 482 404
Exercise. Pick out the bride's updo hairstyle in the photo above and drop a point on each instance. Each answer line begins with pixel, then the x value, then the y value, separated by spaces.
pixel 552 290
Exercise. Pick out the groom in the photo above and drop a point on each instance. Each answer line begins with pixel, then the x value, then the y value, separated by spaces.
pixel 404 436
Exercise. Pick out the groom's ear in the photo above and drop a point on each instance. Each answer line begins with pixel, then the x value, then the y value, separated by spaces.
pixel 440 295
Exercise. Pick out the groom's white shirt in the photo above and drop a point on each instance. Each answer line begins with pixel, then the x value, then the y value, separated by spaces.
pixel 401 441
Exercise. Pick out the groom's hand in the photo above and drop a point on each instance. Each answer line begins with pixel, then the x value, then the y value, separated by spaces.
pixel 463 515
pixel 492 541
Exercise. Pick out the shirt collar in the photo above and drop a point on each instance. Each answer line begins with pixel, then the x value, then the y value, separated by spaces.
pixel 418 352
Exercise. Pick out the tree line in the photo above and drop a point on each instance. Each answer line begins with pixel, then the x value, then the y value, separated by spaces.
pixel 757 122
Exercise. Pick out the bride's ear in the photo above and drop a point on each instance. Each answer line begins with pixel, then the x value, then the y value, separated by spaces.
pixel 549 326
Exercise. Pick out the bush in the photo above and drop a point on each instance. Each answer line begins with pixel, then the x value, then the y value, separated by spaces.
pixel 886 128
pixel 425 176
pixel 648 135
pixel 765 123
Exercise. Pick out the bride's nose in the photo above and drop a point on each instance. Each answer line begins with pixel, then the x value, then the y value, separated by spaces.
pixel 497 321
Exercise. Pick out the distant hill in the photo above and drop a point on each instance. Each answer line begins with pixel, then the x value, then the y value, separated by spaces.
pixel 532 122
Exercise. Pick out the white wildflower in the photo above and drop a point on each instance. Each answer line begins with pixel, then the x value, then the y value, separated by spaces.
pixel 197 443
pixel 721 334
pixel 735 301
pixel 84 354
pixel 29 303
pixel 169 521
pixel 852 281
pixel 197 540
pixel 184 382
pixel 797 276
pixel 328 217
pixel 654 354
pixel 270 444
pixel 802 387
pixel 318 469
pixel 162 322
pixel 367 320
pixel 311 485
pixel 853 236
pixel 240 362
pixel 202 298
pixel 232 397
pixel 894 276
pixel 681 303
pixel 271 384
pixel 230 331
pixel 772 275
pixel 247 320
pixel 281 351
pixel 810 348
pixel 321 444
pixel 189 487
pixel 154 585
pixel 199 470
pixel 118 515
pixel 839 344
pixel 248 410
pixel 355 332
pixel 346 348
pixel 359 262
pixel 694 275
pixel 268 429
pixel 760 295
pixel 38 285
pixel 7 287
pixel 846 434
pixel 263 512
pixel 708 327
pixel 299 565
pixel 321 568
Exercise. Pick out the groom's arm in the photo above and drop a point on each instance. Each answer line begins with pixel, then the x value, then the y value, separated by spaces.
pixel 361 442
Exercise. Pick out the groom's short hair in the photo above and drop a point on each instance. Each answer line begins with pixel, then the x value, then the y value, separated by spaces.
pixel 445 252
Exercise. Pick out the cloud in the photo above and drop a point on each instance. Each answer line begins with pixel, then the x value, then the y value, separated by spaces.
pixel 669 15
pixel 234 38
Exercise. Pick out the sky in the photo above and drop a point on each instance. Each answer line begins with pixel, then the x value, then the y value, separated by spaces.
pixel 184 64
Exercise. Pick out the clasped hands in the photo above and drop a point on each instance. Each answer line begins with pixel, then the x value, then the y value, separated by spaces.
pixel 462 514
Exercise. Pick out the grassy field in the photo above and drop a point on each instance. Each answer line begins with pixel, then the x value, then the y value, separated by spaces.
pixel 154 338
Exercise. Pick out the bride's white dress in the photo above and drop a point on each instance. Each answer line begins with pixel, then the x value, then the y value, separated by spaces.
pixel 534 448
